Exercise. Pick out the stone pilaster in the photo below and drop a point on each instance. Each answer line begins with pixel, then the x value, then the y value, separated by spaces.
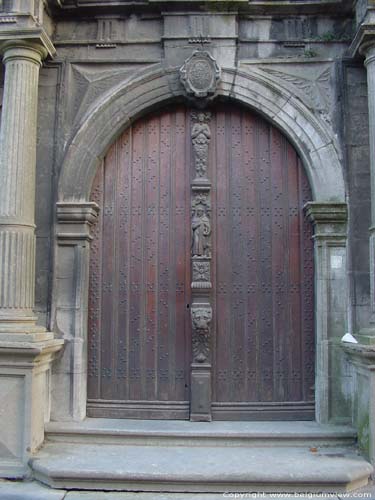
pixel 17 188
pixel 333 401
pixel 367 335
pixel 71 308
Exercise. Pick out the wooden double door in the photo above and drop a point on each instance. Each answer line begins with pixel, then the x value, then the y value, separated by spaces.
pixel 262 295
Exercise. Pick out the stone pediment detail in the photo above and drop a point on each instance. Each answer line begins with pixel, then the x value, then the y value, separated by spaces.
pixel 311 81
pixel 87 82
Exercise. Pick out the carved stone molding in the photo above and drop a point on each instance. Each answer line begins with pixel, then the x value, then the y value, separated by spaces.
pixel 200 74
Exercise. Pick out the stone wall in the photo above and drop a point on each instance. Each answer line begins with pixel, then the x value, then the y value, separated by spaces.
pixel 45 188
pixel 95 55
pixel 301 55
pixel 358 177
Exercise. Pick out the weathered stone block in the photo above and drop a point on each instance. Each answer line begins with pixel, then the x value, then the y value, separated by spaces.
pixel 24 399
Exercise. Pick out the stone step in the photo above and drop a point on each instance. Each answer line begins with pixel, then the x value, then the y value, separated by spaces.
pixel 180 433
pixel 204 469
pixel 26 490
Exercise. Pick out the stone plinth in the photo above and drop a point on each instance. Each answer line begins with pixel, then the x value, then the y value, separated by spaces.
pixel 25 375
pixel 362 359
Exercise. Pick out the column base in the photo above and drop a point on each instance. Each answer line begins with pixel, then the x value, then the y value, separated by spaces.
pixel 366 336
pixel 200 405
pixel 362 358
pixel 25 374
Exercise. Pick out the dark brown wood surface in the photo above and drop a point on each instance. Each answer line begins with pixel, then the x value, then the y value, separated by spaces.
pixel 139 329
pixel 262 270
pixel 262 273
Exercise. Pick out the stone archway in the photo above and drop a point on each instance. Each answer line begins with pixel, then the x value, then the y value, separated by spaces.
pixel 312 138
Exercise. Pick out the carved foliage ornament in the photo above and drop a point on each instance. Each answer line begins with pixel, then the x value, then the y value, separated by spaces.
pixel 201 317
pixel 201 271
pixel 200 74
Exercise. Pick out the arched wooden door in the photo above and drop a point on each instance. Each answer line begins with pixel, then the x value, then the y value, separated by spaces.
pixel 262 336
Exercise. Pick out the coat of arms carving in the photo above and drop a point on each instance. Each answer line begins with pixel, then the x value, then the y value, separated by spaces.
pixel 200 74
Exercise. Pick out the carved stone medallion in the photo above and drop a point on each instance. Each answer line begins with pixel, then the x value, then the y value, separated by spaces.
pixel 200 74
pixel 201 271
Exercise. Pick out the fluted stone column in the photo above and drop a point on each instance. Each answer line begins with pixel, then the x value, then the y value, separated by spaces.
pixel 26 350
pixel 22 61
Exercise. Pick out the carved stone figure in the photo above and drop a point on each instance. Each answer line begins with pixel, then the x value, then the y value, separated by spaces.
pixel 201 230
pixel 200 136
pixel 201 321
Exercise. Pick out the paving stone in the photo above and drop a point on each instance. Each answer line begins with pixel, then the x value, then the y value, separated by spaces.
pixel 16 490
pixel 189 496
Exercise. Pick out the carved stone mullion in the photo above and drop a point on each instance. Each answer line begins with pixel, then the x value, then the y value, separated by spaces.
pixel 201 309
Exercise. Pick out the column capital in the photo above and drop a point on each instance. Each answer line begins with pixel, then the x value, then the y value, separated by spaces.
pixel 367 49
pixel 23 49
pixel 326 212
pixel 329 218
pixel 75 221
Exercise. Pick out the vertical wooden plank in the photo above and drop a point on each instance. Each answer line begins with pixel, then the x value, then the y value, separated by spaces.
pixel 249 187
pixel 307 289
pixel 237 257
pixel 294 277
pixel 265 266
pixel 107 272
pixel 136 262
pixel 222 262
pixel 163 271
pixel 181 257
pixel 151 256
pixel 121 386
pixel 279 254
pixel 95 294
